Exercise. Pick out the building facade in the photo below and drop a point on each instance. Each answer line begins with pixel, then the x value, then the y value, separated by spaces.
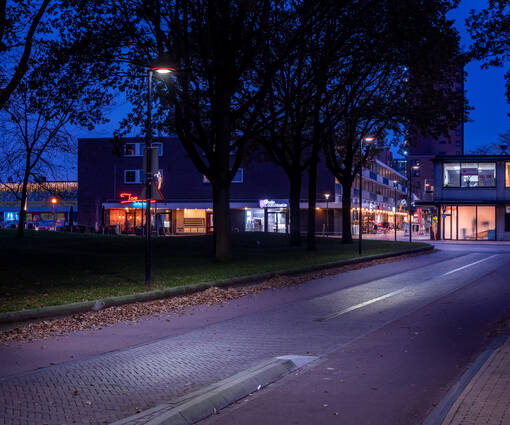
pixel 111 181
pixel 39 205
pixel 472 196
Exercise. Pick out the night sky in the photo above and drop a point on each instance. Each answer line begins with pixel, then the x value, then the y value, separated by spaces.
pixel 485 91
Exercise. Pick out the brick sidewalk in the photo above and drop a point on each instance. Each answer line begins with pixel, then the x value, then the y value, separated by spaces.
pixel 486 399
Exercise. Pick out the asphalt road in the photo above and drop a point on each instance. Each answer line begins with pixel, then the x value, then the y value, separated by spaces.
pixel 392 339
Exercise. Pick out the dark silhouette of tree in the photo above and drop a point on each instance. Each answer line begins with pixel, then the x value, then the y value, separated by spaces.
pixel 490 31
pixel 404 82
pixel 19 23
pixel 224 53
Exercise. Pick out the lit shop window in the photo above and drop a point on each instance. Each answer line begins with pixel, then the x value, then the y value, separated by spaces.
pixel 507 174
pixel 469 174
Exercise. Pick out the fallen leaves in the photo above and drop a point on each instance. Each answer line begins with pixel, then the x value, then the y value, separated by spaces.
pixel 96 320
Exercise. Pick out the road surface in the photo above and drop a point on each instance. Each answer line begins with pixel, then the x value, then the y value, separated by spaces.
pixel 391 340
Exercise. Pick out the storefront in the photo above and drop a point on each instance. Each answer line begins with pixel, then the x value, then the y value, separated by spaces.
pixel 377 220
pixel 468 222
pixel 272 216
pixel 45 201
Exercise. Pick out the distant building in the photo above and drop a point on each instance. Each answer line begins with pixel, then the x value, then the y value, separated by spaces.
pixel 111 180
pixel 39 205
pixel 472 194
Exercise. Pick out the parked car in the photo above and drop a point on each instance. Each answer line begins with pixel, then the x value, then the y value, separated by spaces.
pixel 32 225
pixel 47 225
pixel 11 224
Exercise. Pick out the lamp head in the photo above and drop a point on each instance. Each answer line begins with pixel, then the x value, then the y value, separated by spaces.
pixel 326 195
pixel 54 201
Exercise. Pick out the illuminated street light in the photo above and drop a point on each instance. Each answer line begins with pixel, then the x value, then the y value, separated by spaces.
pixel 161 70
pixel 395 185
pixel 53 204
pixel 326 195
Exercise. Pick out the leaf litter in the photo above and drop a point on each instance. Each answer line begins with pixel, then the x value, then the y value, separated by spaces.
pixel 96 320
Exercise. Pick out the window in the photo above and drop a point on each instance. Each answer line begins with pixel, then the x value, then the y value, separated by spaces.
pixel 457 133
pixel 451 175
pixel 457 153
pixel 507 218
pixel 137 149
pixel 132 176
pixel 507 174
pixel 487 174
pixel 442 142
pixel 159 146
pixel 130 149
pixel 469 174
pixel 457 143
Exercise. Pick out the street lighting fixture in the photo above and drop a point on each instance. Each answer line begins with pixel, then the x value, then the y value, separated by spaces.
pixel 326 195
pixel 395 185
pixel 53 204
pixel 368 139
pixel 410 197
pixel 161 70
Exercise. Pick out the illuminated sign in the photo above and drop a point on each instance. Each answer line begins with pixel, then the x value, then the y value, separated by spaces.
pixel 266 203
pixel 128 198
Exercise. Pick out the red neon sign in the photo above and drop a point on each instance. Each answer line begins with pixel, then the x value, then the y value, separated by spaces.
pixel 127 198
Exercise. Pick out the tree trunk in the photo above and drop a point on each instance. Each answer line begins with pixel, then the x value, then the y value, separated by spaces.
pixel 346 214
pixel 221 204
pixel 22 212
pixel 312 195
pixel 295 213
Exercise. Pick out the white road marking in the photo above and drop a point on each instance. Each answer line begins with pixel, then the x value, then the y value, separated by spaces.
pixel 469 265
pixel 355 307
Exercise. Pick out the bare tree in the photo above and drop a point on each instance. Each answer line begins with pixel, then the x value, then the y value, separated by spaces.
pixel 34 145
pixel 19 23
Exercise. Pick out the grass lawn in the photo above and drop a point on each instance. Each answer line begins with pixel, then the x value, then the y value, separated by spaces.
pixel 48 268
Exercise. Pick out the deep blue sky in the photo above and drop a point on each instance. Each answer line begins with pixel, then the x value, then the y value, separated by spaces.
pixel 485 91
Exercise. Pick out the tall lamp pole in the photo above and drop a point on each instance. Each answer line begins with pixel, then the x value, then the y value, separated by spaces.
pixel 410 197
pixel 53 204
pixel 395 185
pixel 367 139
pixel 148 173
pixel 326 195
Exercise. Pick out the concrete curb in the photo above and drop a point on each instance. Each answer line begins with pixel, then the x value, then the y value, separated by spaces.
pixel 80 307
pixel 205 402
pixel 438 415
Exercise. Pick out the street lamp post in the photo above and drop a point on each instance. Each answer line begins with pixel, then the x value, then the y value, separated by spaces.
pixel 326 195
pixel 410 197
pixel 53 204
pixel 395 185
pixel 148 172
pixel 367 139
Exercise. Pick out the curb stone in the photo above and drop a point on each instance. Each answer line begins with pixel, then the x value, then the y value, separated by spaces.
pixel 439 413
pixel 200 404
pixel 84 306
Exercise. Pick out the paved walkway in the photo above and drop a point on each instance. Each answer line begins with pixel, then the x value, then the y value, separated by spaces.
pixel 486 399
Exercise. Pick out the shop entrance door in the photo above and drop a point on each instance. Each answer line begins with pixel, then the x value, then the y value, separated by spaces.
pixel 449 222
pixel 277 221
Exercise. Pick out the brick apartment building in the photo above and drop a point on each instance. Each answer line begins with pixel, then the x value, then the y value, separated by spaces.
pixel 110 187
